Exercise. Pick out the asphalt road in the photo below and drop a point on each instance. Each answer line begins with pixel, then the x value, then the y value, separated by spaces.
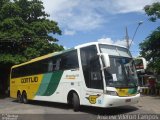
pixel 36 110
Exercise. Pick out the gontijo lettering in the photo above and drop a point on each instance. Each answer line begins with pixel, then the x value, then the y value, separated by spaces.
pixel 29 80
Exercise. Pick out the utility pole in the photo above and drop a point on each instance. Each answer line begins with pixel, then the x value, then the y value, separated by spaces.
pixel 127 38
pixel 140 22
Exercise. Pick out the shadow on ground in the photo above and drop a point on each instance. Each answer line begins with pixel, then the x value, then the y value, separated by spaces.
pixel 153 96
pixel 108 111
pixel 3 96
pixel 86 109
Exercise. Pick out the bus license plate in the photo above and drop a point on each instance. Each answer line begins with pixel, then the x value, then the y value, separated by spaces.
pixel 128 100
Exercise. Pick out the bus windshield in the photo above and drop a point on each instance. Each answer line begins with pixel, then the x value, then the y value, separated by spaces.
pixel 122 72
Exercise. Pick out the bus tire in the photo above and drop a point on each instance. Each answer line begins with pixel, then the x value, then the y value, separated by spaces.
pixel 75 102
pixel 24 98
pixel 19 97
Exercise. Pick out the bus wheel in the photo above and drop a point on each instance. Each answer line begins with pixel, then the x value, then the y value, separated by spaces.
pixel 19 97
pixel 75 102
pixel 24 98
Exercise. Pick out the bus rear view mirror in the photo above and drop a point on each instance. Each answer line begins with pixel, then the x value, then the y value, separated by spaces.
pixel 105 59
pixel 140 64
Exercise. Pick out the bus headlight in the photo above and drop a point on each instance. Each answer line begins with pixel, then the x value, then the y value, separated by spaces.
pixel 113 93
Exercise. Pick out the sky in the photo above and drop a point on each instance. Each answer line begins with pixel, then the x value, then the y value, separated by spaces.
pixel 83 21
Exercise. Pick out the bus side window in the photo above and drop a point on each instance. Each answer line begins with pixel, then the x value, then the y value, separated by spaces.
pixel 91 67
pixel 57 64
pixel 94 65
pixel 54 66
pixel 69 60
pixel 50 66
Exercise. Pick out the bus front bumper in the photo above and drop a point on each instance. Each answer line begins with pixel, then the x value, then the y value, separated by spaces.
pixel 115 101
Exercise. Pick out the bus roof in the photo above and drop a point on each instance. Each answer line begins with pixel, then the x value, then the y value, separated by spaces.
pixel 96 43
pixel 42 57
pixel 57 53
pixel 33 60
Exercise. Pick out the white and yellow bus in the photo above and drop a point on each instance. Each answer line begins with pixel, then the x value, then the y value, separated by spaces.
pixel 92 74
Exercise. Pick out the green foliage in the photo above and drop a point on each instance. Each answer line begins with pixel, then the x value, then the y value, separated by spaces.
pixel 24 31
pixel 150 47
pixel 153 11
pixel 9 58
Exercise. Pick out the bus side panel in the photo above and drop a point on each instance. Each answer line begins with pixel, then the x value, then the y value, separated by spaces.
pixel 13 90
pixel 69 80
pixel 29 84
pixel 49 83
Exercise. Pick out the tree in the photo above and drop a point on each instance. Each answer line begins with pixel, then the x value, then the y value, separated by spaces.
pixel 25 33
pixel 153 11
pixel 150 47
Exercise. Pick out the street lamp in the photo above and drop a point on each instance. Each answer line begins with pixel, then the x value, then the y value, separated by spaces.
pixel 129 45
